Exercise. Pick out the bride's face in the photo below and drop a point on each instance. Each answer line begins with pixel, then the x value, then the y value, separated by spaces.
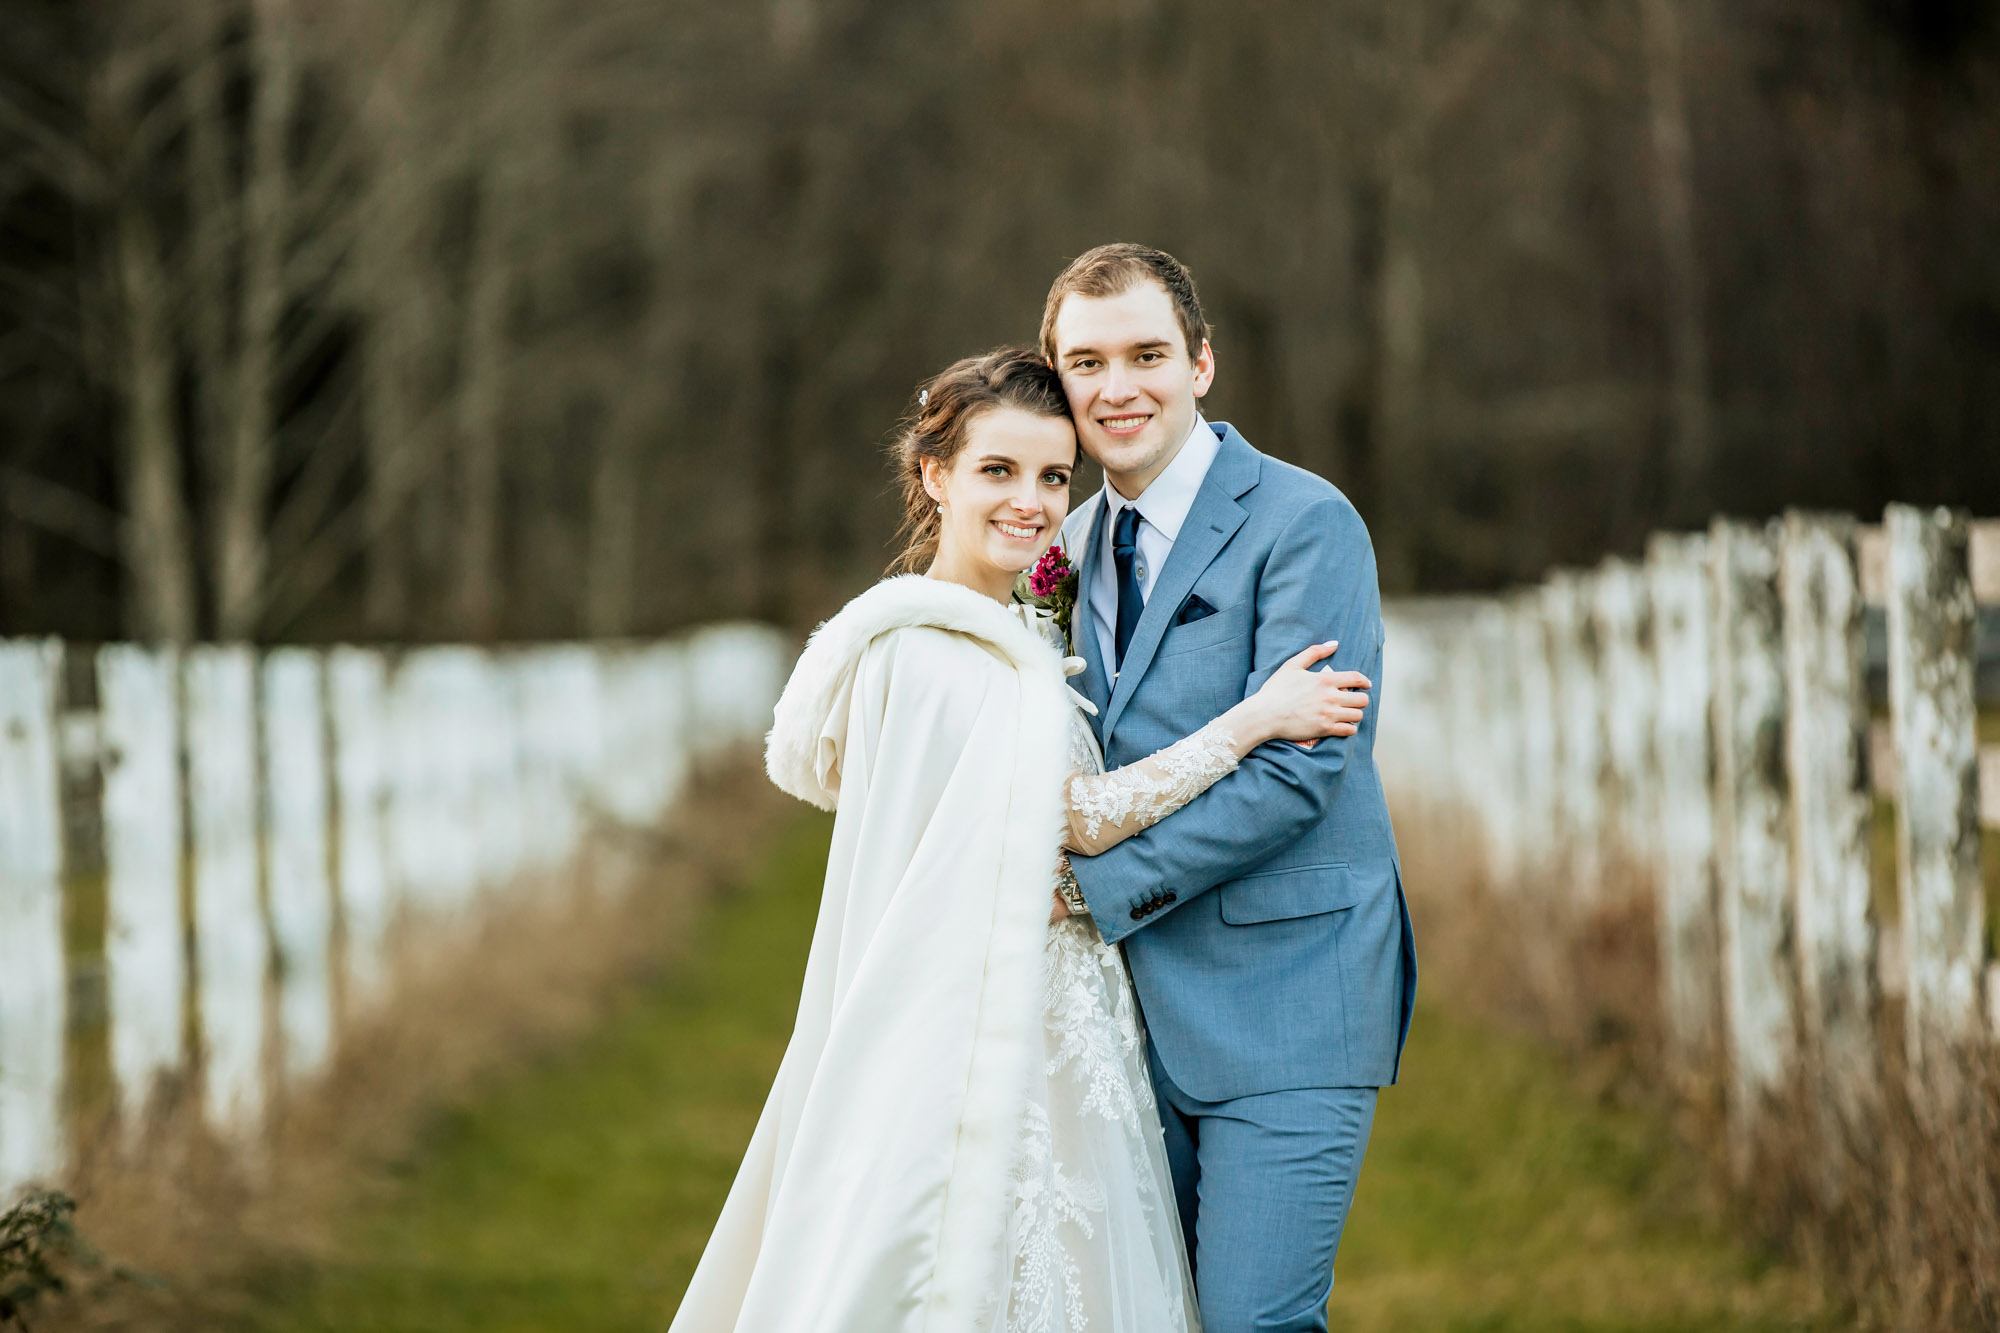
pixel 1006 493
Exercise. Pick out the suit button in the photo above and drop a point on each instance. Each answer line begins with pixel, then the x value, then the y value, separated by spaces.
pixel 1171 896
pixel 1138 912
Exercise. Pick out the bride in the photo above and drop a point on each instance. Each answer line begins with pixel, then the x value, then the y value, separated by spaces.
pixel 962 1133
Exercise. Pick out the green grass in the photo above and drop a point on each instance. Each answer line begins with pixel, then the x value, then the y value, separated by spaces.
pixel 577 1195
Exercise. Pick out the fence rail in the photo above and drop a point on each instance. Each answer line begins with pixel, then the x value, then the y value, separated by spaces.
pixel 254 824
pixel 1717 727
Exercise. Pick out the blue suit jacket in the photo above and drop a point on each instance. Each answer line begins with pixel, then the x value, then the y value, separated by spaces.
pixel 1285 959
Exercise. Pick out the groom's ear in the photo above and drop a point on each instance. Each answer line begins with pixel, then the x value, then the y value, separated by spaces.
pixel 1204 369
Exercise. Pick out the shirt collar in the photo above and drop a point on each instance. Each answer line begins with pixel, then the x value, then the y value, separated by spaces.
pixel 1165 503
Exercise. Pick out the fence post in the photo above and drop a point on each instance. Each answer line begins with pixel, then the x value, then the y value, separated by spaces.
pixel 1411 733
pixel 412 809
pixel 32 1008
pixel 231 943
pixel 299 882
pixel 138 694
pixel 1752 823
pixel 1469 719
pixel 1579 739
pixel 1622 622
pixel 1499 710
pixel 1933 714
pixel 355 689
pixel 1690 929
pixel 1826 760
pixel 497 810
pixel 1535 794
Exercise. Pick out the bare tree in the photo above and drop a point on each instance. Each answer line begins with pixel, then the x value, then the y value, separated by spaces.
pixel 1674 199
pixel 244 496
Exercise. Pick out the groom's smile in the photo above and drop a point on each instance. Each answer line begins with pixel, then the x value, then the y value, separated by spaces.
pixel 1125 425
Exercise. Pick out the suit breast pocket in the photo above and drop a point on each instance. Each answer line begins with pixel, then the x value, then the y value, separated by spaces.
pixel 1221 627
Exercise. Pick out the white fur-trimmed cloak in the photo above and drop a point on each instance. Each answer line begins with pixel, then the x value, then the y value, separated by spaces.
pixel 872 1197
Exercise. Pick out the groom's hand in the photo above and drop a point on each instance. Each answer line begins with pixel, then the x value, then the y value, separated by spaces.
pixel 1059 911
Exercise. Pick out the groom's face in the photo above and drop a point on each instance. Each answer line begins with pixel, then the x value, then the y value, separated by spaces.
pixel 1131 383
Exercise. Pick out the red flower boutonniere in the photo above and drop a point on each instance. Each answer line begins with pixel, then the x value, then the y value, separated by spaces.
pixel 1051 586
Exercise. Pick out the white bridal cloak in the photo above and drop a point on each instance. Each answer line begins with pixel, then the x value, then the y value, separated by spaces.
pixel 961 1135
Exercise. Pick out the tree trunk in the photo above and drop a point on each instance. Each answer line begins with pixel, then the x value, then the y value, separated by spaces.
pixel 160 605
pixel 214 236
pixel 1673 202
pixel 512 120
pixel 240 520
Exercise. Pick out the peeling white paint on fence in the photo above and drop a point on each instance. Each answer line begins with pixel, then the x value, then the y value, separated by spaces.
pixel 232 953
pixel 1751 818
pixel 1684 875
pixel 1579 734
pixel 1826 688
pixel 32 1143
pixel 1709 720
pixel 138 700
pixel 299 885
pixel 1621 618
pixel 1934 713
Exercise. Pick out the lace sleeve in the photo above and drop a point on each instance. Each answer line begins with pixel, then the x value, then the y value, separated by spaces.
pixel 1107 808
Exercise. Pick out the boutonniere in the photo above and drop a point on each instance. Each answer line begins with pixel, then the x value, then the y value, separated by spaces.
pixel 1051 586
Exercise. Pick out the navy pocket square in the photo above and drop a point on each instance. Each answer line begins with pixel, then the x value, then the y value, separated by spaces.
pixel 1193 609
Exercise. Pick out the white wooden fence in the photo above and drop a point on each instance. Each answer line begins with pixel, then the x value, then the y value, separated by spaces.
pixel 252 811
pixel 1702 727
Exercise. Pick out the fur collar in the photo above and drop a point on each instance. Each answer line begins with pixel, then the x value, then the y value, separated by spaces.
pixel 904 602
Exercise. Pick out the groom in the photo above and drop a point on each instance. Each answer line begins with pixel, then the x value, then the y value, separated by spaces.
pixel 1264 924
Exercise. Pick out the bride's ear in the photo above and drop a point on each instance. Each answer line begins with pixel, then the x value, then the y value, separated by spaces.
pixel 933 482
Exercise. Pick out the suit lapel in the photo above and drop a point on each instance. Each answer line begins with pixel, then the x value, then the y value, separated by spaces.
pixel 1083 624
pixel 1211 522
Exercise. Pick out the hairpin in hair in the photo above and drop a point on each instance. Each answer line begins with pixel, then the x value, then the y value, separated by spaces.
pixel 923 398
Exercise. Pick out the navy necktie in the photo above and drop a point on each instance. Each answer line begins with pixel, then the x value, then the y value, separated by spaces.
pixel 1124 549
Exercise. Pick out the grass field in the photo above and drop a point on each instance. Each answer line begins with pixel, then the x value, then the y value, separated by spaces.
pixel 577 1194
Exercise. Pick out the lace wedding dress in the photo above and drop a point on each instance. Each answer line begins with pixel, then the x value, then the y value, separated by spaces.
pixel 1093 1238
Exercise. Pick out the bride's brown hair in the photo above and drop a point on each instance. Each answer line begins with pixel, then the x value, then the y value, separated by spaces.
pixel 936 428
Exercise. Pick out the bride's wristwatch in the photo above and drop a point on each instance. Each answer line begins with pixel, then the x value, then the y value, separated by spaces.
pixel 1066 885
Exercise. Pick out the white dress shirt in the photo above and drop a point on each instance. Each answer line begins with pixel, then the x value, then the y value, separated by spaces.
pixel 1163 507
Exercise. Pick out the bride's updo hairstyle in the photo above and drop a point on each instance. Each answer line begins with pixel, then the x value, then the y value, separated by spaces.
pixel 939 421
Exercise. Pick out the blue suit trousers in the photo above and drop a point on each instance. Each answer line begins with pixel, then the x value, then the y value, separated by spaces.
pixel 1252 1169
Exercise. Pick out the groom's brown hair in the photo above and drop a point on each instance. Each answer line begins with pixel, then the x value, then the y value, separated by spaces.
pixel 1111 269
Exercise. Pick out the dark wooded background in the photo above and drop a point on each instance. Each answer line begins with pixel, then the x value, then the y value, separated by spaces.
pixel 423 319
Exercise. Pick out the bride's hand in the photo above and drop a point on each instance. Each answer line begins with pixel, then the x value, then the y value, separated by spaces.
pixel 1300 704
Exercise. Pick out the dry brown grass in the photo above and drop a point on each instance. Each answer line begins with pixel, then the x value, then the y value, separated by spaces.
pixel 187 1218
pixel 1896 1214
